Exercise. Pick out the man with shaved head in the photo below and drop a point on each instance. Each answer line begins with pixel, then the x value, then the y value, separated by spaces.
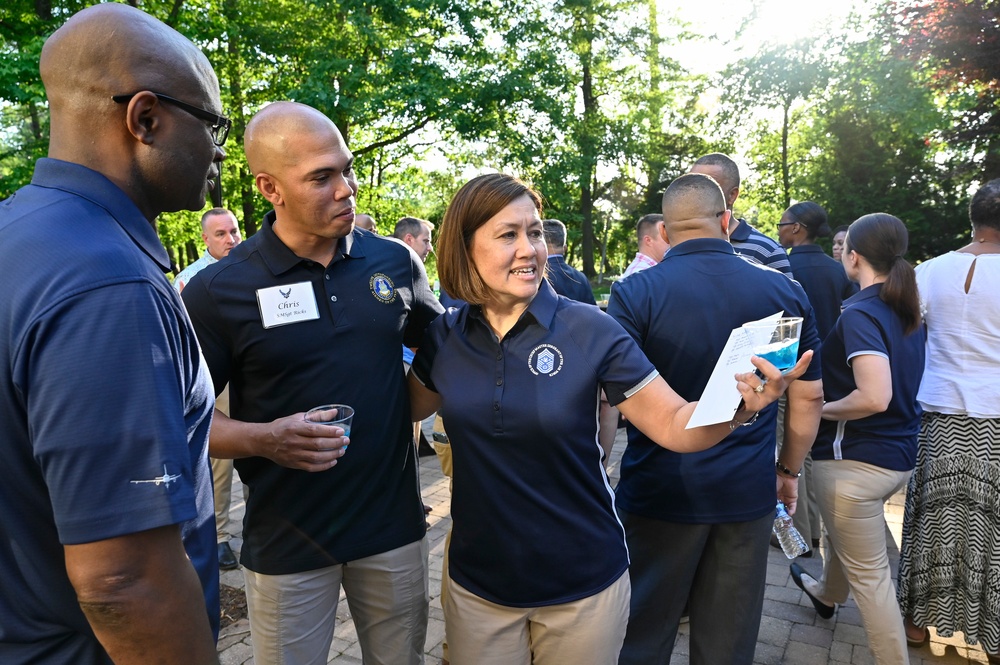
pixel 747 240
pixel 698 525
pixel 365 221
pixel 107 542
pixel 311 311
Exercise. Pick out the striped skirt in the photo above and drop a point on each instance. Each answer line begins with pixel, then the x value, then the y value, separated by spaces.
pixel 949 568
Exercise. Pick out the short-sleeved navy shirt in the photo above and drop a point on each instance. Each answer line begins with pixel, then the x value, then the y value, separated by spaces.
pixel 681 311
pixel 824 281
pixel 372 299
pixel 868 326
pixel 748 241
pixel 568 281
pixel 105 404
pixel 534 516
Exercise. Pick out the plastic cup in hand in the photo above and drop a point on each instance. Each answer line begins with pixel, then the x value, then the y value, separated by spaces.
pixel 338 415
pixel 776 341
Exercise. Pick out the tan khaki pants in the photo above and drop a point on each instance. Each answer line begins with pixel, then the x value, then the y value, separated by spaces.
pixel 292 617
pixel 590 630
pixel 851 497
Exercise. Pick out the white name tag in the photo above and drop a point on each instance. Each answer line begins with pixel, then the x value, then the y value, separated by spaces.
pixel 291 303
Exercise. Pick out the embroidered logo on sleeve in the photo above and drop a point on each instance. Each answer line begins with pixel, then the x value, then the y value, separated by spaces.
pixel 382 288
pixel 545 359
pixel 164 480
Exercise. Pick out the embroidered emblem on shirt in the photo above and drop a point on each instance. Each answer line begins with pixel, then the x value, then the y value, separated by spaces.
pixel 382 288
pixel 165 479
pixel 545 359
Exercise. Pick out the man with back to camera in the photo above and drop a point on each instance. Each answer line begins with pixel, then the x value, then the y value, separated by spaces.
pixel 747 240
pixel 220 233
pixel 307 312
pixel 564 278
pixel 697 525
pixel 652 243
pixel 106 540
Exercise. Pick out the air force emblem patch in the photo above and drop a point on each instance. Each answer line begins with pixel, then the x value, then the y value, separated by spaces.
pixel 545 359
pixel 382 288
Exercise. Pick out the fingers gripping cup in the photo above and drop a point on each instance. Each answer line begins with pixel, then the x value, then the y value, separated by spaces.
pixel 776 341
pixel 338 415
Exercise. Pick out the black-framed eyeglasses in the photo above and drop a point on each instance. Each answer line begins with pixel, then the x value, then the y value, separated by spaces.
pixel 220 123
pixel 786 223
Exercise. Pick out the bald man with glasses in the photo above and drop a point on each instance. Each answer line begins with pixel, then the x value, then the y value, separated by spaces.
pixel 108 538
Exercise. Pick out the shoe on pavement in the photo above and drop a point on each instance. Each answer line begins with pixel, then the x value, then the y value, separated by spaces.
pixel 825 611
pixel 227 560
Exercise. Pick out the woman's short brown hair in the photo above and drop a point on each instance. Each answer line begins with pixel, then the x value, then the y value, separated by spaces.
pixel 472 206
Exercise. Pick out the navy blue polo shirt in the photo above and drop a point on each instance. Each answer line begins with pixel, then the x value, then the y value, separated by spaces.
pixel 568 281
pixel 888 439
pixel 825 283
pixel 372 299
pixel 681 311
pixel 534 516
pixel 105 404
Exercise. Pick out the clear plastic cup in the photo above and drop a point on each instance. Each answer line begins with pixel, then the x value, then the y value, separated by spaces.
pixel 776 341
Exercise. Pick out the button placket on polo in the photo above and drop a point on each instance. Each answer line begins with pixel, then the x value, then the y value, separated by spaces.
pixel 328 286
pixel 498 383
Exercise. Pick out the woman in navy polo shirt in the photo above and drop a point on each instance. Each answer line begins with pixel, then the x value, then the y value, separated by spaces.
pixel 867 443
pixel 537 566
pixel 823 279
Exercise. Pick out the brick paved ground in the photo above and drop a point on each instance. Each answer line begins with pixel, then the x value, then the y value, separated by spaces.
pixel 790 633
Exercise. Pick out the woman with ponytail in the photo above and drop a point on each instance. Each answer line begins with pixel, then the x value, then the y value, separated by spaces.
pixel 866 448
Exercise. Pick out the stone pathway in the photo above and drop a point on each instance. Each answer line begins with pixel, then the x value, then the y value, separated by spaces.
pixel 791 633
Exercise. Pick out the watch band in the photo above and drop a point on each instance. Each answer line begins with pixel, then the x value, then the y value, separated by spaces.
pixel 784 470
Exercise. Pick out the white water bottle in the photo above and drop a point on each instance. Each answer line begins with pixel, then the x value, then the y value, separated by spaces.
pixel 792 542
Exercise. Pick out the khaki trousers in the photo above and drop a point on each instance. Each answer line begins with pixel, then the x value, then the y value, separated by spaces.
pixel 852 498
pixel 590 630
pixel 222 480
pixel 292 617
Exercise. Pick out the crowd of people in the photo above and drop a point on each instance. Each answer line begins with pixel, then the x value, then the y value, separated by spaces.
pixel 118 388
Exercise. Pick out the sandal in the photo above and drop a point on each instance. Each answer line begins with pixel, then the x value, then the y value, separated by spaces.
pixel 916 644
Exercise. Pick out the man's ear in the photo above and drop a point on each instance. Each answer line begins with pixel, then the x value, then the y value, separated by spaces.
pixel 735 194
pixel 268 187
pixel 142 116
pixel 724 222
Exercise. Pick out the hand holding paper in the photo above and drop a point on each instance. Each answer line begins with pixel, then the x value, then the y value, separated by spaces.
pixel 719 402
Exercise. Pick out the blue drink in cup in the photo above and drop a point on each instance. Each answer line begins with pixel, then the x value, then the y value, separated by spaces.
pixel 781 354
pixel 776 341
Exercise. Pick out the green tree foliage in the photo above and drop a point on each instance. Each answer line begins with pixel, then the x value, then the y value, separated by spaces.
pixel 959 42
pixel 859 131
pixel 575 96
pixel 778 76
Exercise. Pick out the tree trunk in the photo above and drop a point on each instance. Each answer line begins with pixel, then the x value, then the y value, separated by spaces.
pixel 234 72
pixel 654 164
pixel 785 184
pixel 588 152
